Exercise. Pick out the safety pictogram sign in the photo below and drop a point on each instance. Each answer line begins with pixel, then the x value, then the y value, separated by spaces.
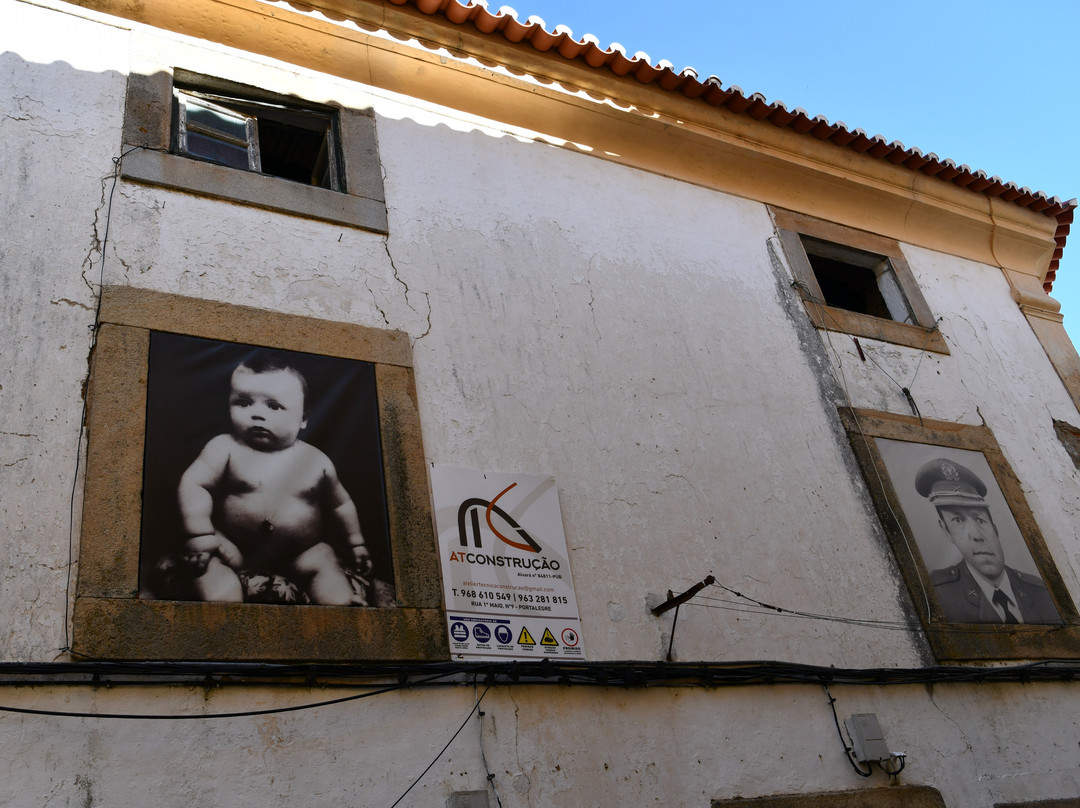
pixel 505 564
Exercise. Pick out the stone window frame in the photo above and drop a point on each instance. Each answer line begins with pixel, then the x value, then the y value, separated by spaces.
pixel 892 797
pixel 923 334
pixel 957 642
pixel 149 157
pixel 111 622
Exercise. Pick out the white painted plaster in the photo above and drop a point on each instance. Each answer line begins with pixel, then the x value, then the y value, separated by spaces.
pixel 618 330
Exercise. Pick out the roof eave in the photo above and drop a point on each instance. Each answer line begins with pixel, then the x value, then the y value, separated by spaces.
pixel 560 46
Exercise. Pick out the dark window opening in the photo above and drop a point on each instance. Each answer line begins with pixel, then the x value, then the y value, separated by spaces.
pixel 849 287
pixel 857 281
pixel 295 152
pixel 281 140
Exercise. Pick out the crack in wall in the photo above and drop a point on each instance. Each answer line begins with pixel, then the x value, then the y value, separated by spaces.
pixel 75 303
pixel 522 783
pixel 592 299
pixel 97 244
pixel 375 302
pixel 399 279
pixel 959 729
pixel 22 435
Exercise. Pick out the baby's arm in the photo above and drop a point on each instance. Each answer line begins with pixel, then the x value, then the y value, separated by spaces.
pixel 343 513
pixel 197 503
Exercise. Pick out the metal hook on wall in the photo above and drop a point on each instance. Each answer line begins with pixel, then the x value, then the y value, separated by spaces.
pixel 675 601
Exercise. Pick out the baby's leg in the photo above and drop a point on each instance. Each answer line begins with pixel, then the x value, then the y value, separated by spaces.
pixel 325 580
pixel 218 583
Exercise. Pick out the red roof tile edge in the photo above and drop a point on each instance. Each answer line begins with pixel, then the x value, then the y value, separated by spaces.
pixel 638 68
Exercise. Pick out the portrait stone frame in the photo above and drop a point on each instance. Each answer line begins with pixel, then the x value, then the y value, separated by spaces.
pixel 109 620
pixel 955 641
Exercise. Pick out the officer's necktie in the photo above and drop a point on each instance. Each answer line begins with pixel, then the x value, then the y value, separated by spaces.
pixel 1002 600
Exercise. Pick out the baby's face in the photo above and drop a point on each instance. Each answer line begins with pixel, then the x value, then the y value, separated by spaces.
pixel 267 409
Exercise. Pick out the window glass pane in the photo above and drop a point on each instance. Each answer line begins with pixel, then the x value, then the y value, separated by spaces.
pixel 217 150
pixel 271 138
pixel 894 297
pixel 233 125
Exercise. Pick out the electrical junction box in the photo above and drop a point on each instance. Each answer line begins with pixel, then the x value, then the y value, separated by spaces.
pixel 867 738
pixel 468 799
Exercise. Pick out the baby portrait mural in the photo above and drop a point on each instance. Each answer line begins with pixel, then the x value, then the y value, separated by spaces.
pixel 263 477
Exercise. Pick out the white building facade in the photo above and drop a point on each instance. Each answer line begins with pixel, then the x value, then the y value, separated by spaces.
pixel 560 270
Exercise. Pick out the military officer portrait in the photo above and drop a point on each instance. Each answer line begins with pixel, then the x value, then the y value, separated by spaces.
pixel 961 523
pixel 980 587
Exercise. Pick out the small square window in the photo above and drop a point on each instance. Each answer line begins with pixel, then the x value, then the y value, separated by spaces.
pixel 217 138
pixel 856 282
pixel 291 142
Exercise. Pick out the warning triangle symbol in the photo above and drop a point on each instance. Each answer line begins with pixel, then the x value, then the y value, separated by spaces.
pixel 525 638
pixel 548 638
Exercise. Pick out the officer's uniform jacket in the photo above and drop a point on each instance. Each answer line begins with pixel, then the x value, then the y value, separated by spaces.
pixel 964 602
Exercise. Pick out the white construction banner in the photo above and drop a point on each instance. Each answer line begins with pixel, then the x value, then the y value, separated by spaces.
pixel 506 574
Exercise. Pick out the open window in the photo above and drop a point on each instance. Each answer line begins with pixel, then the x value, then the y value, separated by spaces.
pixel 857 283
pixel 226 140
pixel 292 142
pixel 856 280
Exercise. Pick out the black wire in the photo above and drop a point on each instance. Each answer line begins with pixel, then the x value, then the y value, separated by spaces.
pixel 886 625
pixel 823 307
pixel 201 716
pixel 452 737
pixel 912 404
pixel 733 606
pixel 483 757
pixel 624 674
pixel 848 752
pixel 117 164
pixel 883 625
pixel 890 772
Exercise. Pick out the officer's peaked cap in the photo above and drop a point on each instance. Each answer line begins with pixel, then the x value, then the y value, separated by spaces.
pixel 945 482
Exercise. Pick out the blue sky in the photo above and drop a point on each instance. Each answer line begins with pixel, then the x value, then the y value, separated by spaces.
pixel 990 84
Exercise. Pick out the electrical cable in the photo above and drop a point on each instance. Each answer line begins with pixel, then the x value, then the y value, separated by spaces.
pixel 626 674
pixel 849 753
pixel 769 611
pixel 877 474
pixel 483 757
pixel 202 716
pixel 476 706
pixel 823 313
pixel 117 164
pixel 82 412
pixel 903 762
pixel 887 625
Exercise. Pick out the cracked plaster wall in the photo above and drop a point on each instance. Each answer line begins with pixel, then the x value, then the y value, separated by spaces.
pixel 60 103
pixel 559 748
pixel 629 335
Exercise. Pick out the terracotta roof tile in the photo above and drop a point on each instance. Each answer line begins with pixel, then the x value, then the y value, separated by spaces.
pixel 710 91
